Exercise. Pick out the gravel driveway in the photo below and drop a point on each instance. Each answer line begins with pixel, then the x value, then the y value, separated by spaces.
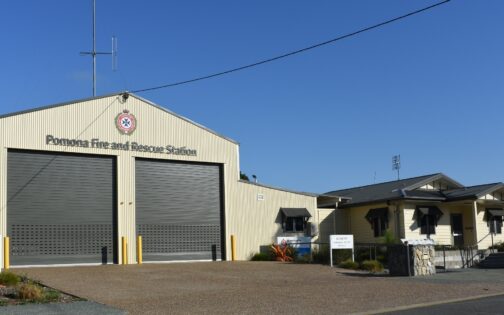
pixel 256 287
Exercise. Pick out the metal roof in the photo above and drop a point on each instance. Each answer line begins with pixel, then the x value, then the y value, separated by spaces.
pixel 407 189
pixel 117 94
pixel 472 191
pixel 381 191
pixel 278 188
pixel 296 212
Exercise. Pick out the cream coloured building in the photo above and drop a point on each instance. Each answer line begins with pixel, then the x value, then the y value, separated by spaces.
pixel 431 206
pixel 81 181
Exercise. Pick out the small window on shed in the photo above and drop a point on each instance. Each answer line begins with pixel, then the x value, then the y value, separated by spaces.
pixel 295 219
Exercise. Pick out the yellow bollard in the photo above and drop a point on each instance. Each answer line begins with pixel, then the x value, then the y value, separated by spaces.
pixel 139 249
pixel 233 248
pixel 6 253
pixel 124 251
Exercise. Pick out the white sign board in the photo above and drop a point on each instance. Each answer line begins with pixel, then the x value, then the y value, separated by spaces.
pixel 341 241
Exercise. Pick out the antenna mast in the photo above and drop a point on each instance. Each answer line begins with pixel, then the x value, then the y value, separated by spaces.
pixel 93 53
pixel 396 164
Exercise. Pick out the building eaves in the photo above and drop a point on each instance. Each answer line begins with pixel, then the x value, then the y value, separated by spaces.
pixel 412 198
pixel 279 189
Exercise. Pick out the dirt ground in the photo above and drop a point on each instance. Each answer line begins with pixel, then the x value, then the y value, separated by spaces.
pixel 258 287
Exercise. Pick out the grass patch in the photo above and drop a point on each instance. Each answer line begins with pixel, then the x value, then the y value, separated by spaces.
pixel 8 278
pixel 30 291
pixel 349 264
pixel 371 266
pixel 262 257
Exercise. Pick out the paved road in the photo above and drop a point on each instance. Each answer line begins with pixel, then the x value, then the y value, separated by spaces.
pixel 74 308
pixel 485 306
pixel 258 287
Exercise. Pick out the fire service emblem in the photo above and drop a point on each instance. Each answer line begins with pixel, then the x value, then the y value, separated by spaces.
pixel 125 122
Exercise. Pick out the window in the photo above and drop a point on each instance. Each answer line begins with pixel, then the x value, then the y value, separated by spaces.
pixel 379 226
pixel 427 218
pixel 494 220
pixel 379 220
pixel 294 219
pixel 428 224
pixel 496 225
pixel 294 224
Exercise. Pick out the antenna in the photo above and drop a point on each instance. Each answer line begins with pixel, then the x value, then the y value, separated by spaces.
pixel 94 53
pixel 396 164
pixel 114 53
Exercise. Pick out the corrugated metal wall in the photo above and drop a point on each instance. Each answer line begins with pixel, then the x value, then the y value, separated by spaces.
pixel 61 208
pixel 256 222
pixel 252 221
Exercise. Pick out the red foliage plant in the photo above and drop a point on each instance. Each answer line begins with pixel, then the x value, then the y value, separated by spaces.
pixel 282 252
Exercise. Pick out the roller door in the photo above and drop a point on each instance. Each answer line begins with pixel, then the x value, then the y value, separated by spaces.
pixel 179 210
pixel 60 208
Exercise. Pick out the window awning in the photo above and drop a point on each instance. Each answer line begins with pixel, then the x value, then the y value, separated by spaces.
pixel 296 212
pixel 430 210
pixel 496 212
pixel 377 213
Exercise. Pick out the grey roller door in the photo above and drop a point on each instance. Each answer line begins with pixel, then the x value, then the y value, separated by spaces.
pixel 60 208
pixel 178 210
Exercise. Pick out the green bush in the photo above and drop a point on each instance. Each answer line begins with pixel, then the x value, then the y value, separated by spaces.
pixel 30 291
pixel 349 264
pixel 499 247
pixel 303 259
pixel 371 265
pixel 321 255
pixel 51 295
pixel 261 257
pixel 9 278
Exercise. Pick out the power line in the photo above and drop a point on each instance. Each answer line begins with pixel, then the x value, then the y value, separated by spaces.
pixel 294 52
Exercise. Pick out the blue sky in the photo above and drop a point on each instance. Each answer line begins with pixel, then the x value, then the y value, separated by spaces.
pixel 430 87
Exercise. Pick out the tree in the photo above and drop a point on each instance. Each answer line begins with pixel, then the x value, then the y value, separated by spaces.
pixel 244 176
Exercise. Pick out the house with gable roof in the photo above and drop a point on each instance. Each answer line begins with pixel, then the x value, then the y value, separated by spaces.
pixel 431 206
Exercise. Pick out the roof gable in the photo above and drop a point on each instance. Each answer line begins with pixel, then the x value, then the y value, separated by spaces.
pixel 475 192
pixel 437 182
pixel 384 191
pixel 145 101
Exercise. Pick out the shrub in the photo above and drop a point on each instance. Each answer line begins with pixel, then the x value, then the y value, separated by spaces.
pixel 389 238
pixel 283 253
pixel 499 247
pixel 9 278
pixel 371 265
pixel 261 257
pixel 349 264
pixel 29 291
pixel 321 255
pixel 303 259
pixel 51 295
